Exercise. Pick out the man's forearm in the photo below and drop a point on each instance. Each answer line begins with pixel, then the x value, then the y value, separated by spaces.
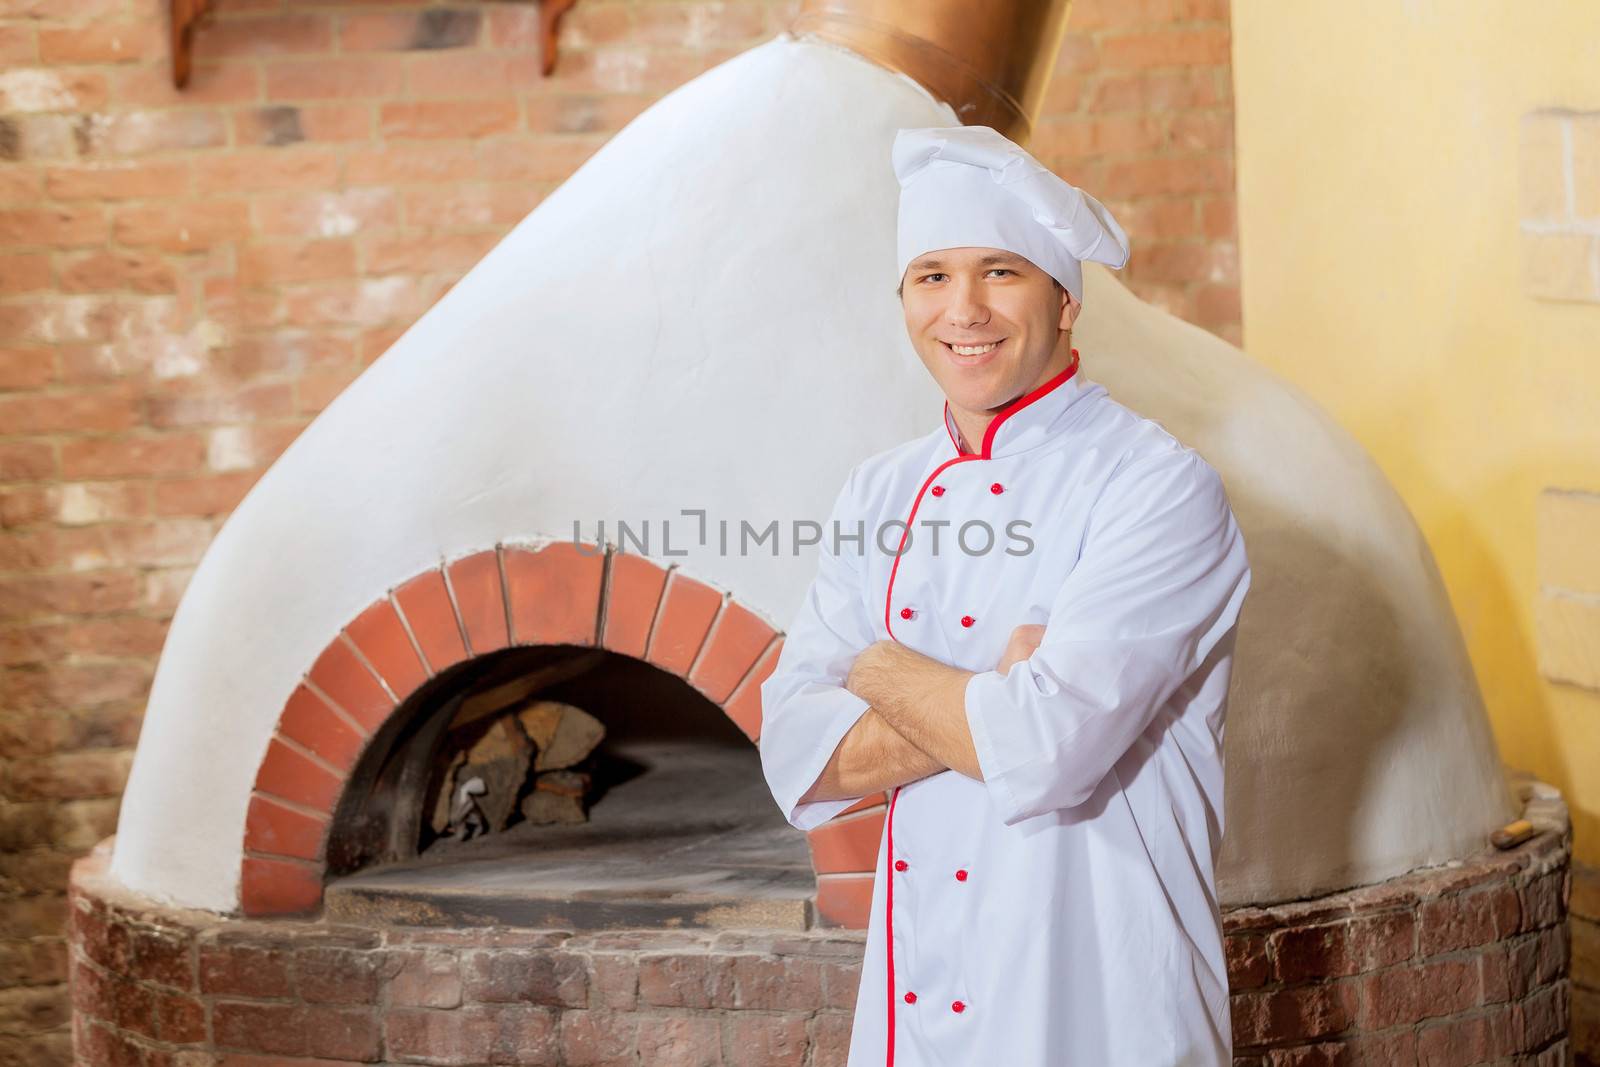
pixel 916 724
pixel 871 757
pixel 924 700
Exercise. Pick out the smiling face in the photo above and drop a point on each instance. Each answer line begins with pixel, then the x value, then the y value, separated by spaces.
pixel 988 324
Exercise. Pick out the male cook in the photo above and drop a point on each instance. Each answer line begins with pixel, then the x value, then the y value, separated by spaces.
pixel 1046 715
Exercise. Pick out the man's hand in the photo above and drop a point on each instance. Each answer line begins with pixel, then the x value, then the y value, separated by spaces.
pixel 1024 641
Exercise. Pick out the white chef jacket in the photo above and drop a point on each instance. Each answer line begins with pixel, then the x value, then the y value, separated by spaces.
pixel 1062 910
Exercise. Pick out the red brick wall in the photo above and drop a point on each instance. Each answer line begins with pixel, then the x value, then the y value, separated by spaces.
pixel 1140 114
pixel 1452 966
pixel 186 279
pixel 158 986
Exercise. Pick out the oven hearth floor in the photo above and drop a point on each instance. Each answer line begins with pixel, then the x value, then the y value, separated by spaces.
pixel 696 840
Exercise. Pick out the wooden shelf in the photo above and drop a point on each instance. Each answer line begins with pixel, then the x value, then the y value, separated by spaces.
pixel 186 15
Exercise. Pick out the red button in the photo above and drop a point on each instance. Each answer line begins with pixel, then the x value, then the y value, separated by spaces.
pixel 961 876
pixel 967 620
pixel 901 865
pixel 906 613
pixel 958 1007
pixel 911 998
pixel 938 490
pixel 997 489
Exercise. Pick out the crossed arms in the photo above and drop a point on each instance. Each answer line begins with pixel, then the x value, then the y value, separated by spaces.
pixel 916 724
pixel 1152 598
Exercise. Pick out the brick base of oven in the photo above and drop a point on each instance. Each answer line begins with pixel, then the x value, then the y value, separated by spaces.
pixel 1452 965
pixel 180 988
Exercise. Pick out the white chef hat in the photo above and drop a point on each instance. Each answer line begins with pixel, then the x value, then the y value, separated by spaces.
pixel 964 186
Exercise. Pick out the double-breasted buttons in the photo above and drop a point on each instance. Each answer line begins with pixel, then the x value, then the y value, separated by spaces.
pixel 967 622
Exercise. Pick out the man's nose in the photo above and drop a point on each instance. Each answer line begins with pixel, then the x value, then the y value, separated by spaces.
pixel 966 306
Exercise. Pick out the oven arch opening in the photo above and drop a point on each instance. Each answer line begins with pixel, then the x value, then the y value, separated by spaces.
pixel 666 821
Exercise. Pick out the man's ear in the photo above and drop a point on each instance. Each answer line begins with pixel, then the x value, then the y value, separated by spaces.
pixel 1069 309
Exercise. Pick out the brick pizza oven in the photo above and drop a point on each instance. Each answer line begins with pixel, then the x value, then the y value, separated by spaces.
pixel 670 667
pixel 428 775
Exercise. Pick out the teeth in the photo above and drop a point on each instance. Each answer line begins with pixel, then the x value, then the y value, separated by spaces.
pixel 978 350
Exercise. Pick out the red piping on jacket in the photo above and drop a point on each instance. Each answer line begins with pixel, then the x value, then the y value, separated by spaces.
pixel 888 599
pixel 988 443
pixel 888 912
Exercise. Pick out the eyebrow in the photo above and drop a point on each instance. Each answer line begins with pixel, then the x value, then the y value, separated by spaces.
pixel 984 261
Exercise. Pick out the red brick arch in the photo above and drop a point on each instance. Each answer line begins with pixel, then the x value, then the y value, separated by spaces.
pixel 503 597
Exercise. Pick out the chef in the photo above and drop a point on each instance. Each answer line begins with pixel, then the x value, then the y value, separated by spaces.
pixel 1043 702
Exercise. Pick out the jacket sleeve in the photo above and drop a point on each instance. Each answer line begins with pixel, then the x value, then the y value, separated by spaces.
pixel 805 709
pixel 1158 582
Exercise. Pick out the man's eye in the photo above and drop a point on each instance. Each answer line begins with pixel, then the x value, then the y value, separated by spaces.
pixel 1003 270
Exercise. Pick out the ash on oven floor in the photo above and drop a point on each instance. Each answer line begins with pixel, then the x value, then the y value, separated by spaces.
pixel 687 835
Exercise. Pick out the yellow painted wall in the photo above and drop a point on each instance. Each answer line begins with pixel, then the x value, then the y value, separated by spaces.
pixel 1381 272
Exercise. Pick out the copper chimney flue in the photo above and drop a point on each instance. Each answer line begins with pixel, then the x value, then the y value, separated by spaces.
pixel 989 61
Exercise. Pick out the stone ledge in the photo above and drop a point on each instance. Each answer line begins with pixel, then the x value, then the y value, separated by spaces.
pixel 1460 963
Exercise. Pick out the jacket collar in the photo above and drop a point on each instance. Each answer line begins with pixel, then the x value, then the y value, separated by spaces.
pixel 1027 421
